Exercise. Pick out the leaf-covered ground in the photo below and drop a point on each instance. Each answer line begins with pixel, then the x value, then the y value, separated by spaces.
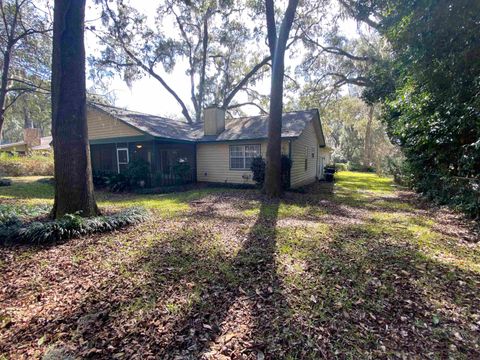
pixel 355 270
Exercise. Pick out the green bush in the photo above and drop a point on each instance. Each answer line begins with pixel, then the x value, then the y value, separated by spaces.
pixel 258 169
pixel 15 165
pixel 5 182
pixel 138 173
pixel 14 230
pixel 118 183
pixel 182 171
pixel 341 167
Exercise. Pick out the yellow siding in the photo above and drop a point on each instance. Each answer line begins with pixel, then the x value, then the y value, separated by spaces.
pixel 213 162
pixel 104 126
pixel 304 146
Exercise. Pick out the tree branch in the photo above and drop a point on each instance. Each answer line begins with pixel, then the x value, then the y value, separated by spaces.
pixel 262 110
pixel 244 81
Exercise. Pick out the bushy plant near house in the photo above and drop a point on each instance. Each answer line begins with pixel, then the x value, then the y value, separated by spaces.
pixel 137 175
pixel 34 164
pixel 181 170
pixel 14 230
pixel 258 169
pixel 5 182
pixel 341 167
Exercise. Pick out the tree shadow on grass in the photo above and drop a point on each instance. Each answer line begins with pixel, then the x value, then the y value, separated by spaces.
pixel 384 299
pixel 183 298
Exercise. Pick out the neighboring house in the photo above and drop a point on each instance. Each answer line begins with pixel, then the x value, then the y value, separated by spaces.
pixel 32 141
pixel 217 150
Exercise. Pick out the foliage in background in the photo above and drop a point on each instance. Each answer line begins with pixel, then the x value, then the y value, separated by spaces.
pixel 34 164
pixel 345 122
pixel 13 229
pixel 25 46
pixel 431 95
pixel 258 171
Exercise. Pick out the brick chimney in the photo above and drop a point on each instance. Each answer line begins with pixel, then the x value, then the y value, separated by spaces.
pixel 213 120
pixel 31 137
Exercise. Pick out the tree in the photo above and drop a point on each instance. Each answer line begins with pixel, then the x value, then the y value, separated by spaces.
pixel 207 34
pixel 73 172
pixel 429 89
pixel 32 109
pixel 277 45
pixel 23 40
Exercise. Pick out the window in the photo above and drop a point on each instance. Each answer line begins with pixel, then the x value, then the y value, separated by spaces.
pixel 241 156
pixel 122 159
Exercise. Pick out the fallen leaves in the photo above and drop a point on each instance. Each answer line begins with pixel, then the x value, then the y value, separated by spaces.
pixel 218 284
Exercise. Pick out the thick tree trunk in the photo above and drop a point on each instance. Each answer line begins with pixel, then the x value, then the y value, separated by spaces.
pixel 273 170
pixel 73 172
pixel 367 151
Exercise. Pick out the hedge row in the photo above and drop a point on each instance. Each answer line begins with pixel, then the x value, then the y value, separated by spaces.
pixel 38 165
pixel 14 230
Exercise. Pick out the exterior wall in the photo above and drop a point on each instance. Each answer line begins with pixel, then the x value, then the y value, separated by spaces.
pixel 213 162
pixel 103 126
pixel 304 147
pixel 324 159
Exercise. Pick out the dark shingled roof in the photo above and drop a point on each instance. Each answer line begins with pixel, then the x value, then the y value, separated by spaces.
pixel 255 127
pixel 245 128
pixel 154 125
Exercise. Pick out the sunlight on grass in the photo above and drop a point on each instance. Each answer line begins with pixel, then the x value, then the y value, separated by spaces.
pixel 284 210
pixel 356 181
pixel 419 231
pixel 28 190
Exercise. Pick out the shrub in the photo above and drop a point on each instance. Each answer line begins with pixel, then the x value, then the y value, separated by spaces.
pixel 258 169
pixel 341 166
pixel 138 173
pixel 21 211
pixel 118 183
pixel 181 170
pixel 14 230
pixel 15 165
pixel 5 182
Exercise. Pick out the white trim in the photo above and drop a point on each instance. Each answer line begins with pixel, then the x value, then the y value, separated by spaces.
pixel 118 161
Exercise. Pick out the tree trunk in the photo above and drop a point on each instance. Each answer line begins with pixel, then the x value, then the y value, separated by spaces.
pixel 27 120
pixel 73 172
pixel 4 84
pixel 273 170
pixel 367 151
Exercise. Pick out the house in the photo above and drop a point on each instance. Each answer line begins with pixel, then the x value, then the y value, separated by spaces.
pixel 218 150
pixel 32 141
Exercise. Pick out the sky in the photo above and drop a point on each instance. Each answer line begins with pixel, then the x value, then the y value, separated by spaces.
pixel 147 95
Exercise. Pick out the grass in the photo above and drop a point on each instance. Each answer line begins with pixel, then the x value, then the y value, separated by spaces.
pixel 354 271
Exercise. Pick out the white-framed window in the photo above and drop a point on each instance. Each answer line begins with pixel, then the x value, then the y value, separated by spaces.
pixel 241 156
pixel 122 159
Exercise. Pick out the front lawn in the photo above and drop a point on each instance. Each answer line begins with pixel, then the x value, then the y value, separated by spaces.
pixel 361 269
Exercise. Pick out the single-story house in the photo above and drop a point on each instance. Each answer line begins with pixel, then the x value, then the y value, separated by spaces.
pixel 32 141
pixel 217 150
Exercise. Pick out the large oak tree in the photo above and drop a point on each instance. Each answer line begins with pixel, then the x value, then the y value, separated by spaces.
pixel 277 45
pixel 73 172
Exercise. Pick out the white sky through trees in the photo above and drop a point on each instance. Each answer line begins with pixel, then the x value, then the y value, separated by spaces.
pixel 147 94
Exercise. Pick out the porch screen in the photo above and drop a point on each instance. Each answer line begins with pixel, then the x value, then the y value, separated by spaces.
pixel 241 156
